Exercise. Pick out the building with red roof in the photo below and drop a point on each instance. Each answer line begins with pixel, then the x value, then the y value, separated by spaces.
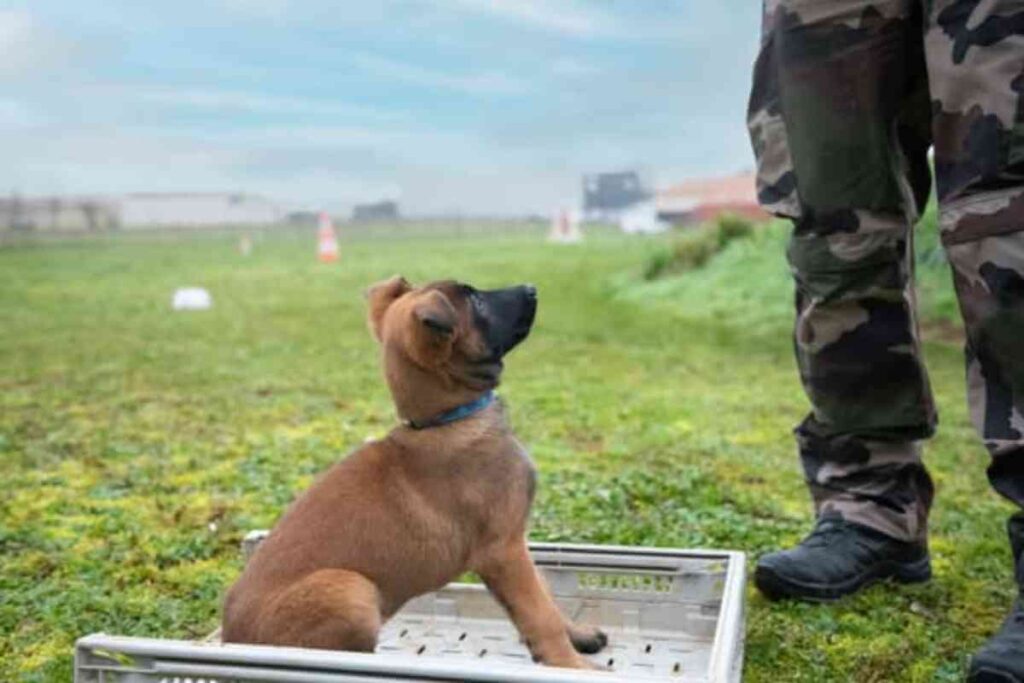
pixel 701 200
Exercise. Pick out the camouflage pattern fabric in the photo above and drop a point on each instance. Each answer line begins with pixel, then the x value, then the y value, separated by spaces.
pixel 848 96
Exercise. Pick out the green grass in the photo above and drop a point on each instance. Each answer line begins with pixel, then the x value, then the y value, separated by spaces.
pixel 138 445
pixel 692 249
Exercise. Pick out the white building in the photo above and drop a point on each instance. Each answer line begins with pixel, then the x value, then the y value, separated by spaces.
pixel 642 219
pixel 58 214
pixel 195 210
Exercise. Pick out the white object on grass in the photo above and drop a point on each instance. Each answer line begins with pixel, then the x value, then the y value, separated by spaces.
pixel 191 299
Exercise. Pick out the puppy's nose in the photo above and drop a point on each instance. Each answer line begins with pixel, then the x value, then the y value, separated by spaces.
pixel 530 291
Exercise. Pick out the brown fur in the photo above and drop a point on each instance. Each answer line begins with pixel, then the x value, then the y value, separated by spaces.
pixel 407 514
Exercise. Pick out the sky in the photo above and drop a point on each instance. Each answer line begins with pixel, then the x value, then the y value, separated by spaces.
pixel 490 107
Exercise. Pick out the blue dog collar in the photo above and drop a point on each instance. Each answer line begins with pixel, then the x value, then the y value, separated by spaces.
pixel 455 414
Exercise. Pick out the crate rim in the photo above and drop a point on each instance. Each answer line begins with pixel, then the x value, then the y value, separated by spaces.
pixel 721 658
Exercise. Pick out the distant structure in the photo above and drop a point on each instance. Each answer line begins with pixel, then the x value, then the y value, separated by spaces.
pixel 303 218
pixel 697 201
pixel 196 210
pixel 58 214
pixel 606 196
pixel 142 211
pixel 642 219
pixel 375 212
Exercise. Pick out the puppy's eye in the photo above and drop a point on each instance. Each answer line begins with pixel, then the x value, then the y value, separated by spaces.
pixel 477 303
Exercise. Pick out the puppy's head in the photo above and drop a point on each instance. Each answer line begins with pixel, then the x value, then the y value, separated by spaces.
pixel 448 331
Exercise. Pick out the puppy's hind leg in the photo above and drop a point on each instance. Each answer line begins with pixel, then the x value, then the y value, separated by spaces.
pixel 331 609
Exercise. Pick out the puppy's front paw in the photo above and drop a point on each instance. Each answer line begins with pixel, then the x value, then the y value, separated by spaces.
pixel 587 639
pixel 575 662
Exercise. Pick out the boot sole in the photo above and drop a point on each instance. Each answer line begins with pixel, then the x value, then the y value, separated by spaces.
pixel 777 587
pixel 985 675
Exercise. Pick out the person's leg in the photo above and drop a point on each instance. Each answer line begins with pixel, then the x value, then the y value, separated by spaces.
pixel 839 123
pixel 975 54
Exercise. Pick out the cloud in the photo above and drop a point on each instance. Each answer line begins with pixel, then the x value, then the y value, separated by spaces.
pixel 31 48
pixel 471 105
pixel 565 18
pixel 98 160
pixel 15 114
pixel 15 29
pixel 266 9
pixel 220 100
pixel 567 67
pixel 19 41
pixel 485 83
pixel 329 168
pixel 315 137
pixel 303 167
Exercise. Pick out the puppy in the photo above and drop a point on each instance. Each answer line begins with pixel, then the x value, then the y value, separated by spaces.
pixel 447 491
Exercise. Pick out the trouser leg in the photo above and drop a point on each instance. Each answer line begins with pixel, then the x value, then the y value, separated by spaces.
pixel 975 55
pixel 839 122
pixel 989 276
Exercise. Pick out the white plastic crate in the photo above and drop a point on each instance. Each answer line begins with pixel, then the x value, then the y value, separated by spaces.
pixel 670 615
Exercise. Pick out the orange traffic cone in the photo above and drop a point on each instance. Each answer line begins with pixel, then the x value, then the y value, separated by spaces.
pixel 327 248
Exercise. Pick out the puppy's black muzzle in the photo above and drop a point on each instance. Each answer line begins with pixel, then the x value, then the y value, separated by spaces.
pixel 505 316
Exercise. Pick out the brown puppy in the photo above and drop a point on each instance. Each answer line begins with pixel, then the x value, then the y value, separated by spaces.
pixel 449 491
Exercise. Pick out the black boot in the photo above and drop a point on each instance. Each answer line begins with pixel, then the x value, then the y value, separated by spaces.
pixel 1001 659
pixel 837 559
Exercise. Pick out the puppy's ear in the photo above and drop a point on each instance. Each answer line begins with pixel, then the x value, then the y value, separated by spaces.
pixel 437 319
pixel 379 297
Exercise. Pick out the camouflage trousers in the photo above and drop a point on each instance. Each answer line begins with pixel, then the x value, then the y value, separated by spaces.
pixel 848 97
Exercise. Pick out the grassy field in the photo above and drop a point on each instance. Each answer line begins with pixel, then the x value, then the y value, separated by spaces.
pixel 137 445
